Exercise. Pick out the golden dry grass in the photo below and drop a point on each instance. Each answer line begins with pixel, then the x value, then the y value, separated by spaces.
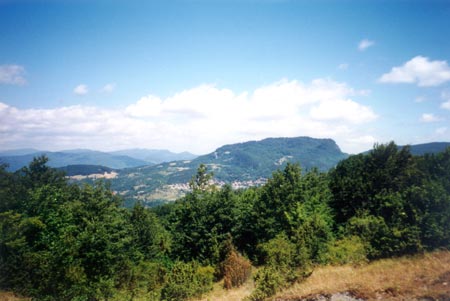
pixel 9 296
pixel 403 278
pixel 234 294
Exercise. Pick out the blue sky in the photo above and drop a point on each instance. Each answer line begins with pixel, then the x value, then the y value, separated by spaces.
pixel 194 75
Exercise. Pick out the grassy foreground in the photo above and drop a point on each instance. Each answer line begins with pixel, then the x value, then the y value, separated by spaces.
pixel 419 277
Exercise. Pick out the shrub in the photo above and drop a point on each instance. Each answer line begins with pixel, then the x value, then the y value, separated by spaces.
pixel 187 280
pixel 347 250
pixel 236 270
pixel 279 251
pixel 268 281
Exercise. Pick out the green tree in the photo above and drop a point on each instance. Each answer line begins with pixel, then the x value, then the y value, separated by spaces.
pixel 201 181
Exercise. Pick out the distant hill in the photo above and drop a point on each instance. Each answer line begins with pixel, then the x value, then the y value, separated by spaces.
pixel 425 148
pixel 84 170
pixel 73 157
pixel 18 152
pixel 431 148
pixel 245 163
pixel 154 156
pixel 16 159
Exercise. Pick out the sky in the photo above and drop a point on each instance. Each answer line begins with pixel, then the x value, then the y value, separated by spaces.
pixel 194 75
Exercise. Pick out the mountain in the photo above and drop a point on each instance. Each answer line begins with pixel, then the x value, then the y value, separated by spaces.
pixel 73 157
pixel 433 147
pixel 424 148
pixel 18 152
pixel 154 156
pixel 245 164
pixel 84 170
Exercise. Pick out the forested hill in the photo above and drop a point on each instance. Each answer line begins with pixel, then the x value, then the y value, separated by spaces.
pixel 261 158
pixel 429 148
pixel 243 163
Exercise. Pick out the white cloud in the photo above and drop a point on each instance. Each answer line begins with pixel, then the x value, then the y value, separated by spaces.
pixel 347 110
pixel 419 70
pixel 199 119
pixel 108 88
pixel 364 44
pixel 81 90
pixel 446 105
pixel 445 95
pixel 147 106
pixel 427 118
pixel 12 75
pixel 441 131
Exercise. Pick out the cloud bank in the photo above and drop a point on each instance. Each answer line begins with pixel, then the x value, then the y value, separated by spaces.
pixel 199 119
pixel 419 70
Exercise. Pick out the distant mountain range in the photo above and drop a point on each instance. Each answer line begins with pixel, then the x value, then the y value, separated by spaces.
pixel 155 176
pixel 16 159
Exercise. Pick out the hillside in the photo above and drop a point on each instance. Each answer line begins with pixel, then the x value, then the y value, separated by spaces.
pixel 420 277
pixel 430 148
pixel 246 164
pixel 425 148
pixel 84 170
pixel 73 157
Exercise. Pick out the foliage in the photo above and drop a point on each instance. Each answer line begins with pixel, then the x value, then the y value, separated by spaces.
pixel 60 241
pixel 396 203
pixel 348 250
pixel 187 280
pixel 268 281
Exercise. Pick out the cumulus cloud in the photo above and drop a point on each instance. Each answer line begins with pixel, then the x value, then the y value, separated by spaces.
pixel 199 119
pixel 420 70
pixel 12 75
pixel 364 44
pixel 81 90
pixel 347 110
pixel 427 118
pixel 108 88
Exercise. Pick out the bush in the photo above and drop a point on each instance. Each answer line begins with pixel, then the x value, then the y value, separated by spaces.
pixel 279 251
pixel 268 281
pixel 347 250
pixel 187 280
pixel 236 270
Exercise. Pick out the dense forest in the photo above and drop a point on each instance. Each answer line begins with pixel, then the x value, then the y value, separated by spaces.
pixel 60 241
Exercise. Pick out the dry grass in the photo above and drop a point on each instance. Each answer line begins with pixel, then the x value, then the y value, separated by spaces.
pixel 406 278
pixel 9 296
pixel 234 294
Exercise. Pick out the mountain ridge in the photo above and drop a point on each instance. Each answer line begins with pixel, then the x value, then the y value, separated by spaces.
pixel 246 163
pixel 16 159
